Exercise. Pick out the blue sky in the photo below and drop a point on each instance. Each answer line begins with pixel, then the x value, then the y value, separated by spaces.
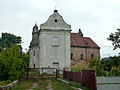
pixel 96 18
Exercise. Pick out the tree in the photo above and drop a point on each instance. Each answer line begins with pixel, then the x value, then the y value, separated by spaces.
pixel 7 40
pixel 111 66
pixel 115 38
pixel 110 62
pixel 12 63
pixel 96 65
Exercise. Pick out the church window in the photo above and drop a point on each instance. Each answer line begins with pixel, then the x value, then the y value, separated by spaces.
pixel 71 56
pixel 92 56
pixel 34 66
pixel 81 56
pixel 34 52
pixel 55 20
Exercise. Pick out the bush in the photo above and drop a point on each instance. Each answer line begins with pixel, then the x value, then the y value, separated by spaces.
pixel 12 64
pixel 78 68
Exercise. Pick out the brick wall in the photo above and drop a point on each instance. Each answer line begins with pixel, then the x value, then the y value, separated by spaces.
pixel 87 54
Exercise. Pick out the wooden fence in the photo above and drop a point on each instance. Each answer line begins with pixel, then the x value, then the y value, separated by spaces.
pixel 87 78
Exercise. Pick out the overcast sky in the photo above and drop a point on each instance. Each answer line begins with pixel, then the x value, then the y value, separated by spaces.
pixel 96 18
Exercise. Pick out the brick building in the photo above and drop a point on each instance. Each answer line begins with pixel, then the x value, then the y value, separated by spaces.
pixel 83 49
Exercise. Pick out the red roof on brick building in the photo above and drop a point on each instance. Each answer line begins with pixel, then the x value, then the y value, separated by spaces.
pixel 77 40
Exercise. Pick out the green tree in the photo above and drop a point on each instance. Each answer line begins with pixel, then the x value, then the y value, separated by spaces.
pixel 7 40
pixel 115 38
pixel 96 65
pixel 110 62
pixel 111 66
pixel 12 63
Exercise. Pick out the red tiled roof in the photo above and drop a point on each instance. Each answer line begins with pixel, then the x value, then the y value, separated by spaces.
pixel 76 40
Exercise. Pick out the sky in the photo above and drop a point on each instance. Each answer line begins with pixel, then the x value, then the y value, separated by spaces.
pixel 96 18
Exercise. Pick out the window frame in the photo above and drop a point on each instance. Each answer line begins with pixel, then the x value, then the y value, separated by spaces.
pixel 81 56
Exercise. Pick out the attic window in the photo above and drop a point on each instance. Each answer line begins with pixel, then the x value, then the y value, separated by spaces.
pixel 55 20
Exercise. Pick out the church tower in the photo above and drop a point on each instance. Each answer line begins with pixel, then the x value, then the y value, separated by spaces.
pixel 34 48
pixel 51 44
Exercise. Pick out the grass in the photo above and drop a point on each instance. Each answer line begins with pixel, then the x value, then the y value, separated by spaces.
pixel 2 83
pixel 57 85
pixel 23 85
pixel 61 86
pixel 77 85
pixel 43 84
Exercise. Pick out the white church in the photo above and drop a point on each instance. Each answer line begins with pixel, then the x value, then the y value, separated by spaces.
pixel 50 45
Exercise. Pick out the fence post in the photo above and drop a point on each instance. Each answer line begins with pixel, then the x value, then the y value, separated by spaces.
pixel 56 73
pixel 27 73
pixel 89 79
pixel 64 74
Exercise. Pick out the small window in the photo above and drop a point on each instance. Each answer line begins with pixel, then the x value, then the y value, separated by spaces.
pixel 34 66
pixel 55 62
pixel 81 56
pixel 71 56
pixel 92 56
pixel 55 20
pixel 34 52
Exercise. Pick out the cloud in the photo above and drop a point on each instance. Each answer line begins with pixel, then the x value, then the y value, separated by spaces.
pixel 96 18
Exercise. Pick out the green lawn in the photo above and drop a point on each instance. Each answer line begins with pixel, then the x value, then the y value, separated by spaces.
pixel 57 85
pixel 23 85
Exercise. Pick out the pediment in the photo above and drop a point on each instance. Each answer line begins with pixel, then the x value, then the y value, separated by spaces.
pixel 55 22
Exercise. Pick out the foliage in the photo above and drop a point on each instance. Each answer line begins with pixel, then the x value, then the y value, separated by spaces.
pixel 105 67
pixel 110 62
pixel 12 64
pixel 115 38
pixel 2 83
pixel 78 68
pixel 7 40
pixel 95 64
pixel 111 66
pixel 115 71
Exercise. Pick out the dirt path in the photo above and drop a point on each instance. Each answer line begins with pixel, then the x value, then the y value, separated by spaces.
pixel 34 85
pixel 49 86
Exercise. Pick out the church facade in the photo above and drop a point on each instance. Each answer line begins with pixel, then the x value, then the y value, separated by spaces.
pixel 54 46
pixel 50 46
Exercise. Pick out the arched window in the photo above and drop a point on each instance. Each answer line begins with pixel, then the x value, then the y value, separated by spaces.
pixel 81 56
pixel 71 56
pixel 34 66
pixel 92 56
pixel 34 53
